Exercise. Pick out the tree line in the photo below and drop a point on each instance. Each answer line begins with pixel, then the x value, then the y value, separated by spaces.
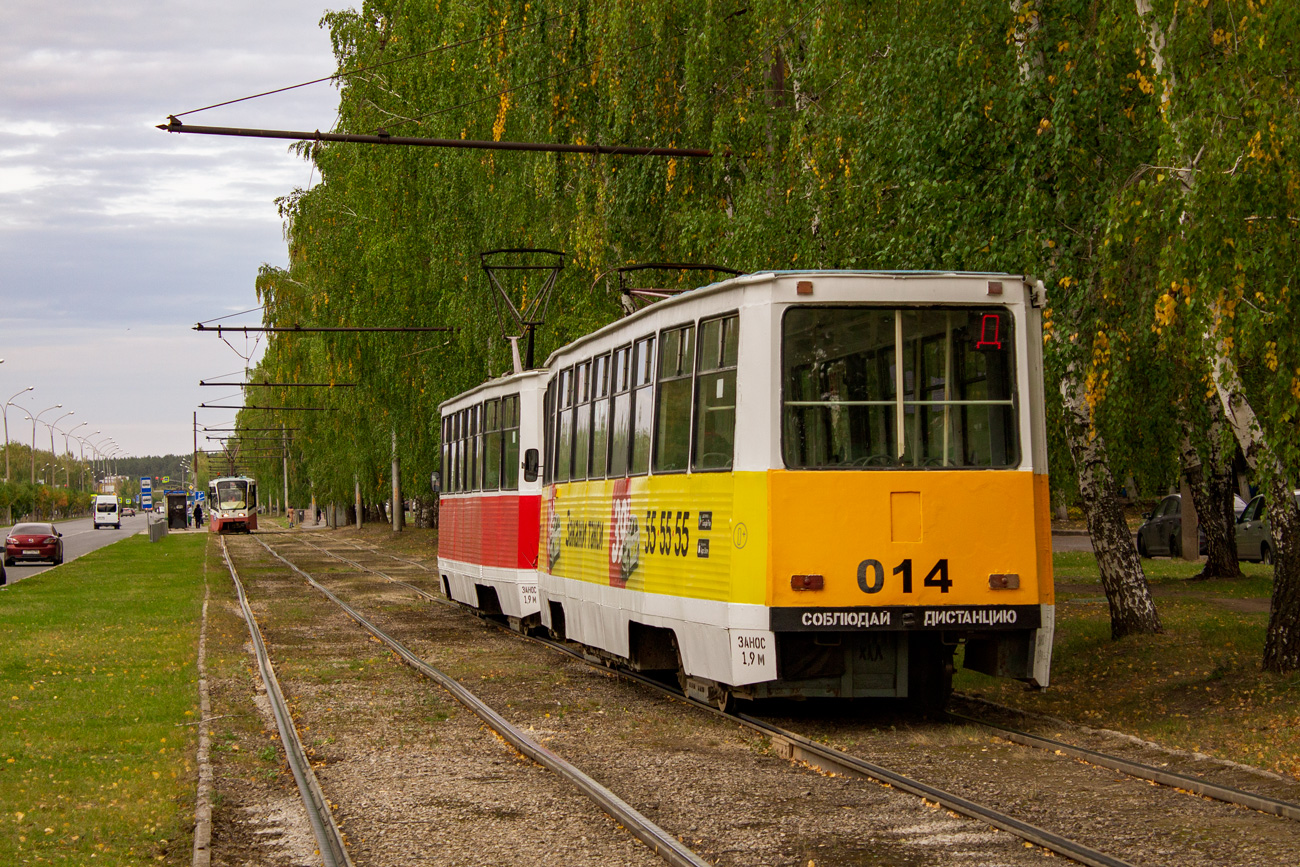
pixel 1138 156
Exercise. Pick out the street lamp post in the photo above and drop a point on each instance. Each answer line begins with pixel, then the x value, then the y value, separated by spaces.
pixel 51 425
pixel 9 512
pixel 34 419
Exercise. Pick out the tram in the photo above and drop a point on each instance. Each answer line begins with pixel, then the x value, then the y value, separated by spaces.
pixel 793 484
pixel 488 519
pixel 232 505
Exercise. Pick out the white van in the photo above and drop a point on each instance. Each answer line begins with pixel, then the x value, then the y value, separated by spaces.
pixel 106 511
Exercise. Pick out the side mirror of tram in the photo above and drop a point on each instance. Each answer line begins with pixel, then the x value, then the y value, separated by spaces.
pixel 530 465
pixel 435 482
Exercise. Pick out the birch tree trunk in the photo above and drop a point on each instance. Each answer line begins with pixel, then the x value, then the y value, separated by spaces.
pixel 1210 483
pixel 1132 610
pixel 1282 640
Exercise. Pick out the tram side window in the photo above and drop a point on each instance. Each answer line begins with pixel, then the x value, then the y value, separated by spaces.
pixel 564 436
pixel 599 416
pixel 621 438
pixel 842 405
pixel 510 442
pixel 464 450
pixel 491 444
pixel 673 417
pixel 446 452
pixel 643 354
pixel 548 434
pixel 715 397
pixel 454 469
pixel 476 448
pixel 581 419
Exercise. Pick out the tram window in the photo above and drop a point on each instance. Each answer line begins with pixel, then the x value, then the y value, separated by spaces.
pixel 621 439
pixel 491 444
pixel 466 452
pixel 715 396
pixel 548 432
pixel 476 447
pixel 842 368
pixel 456 451
pixel 643 354
pixel 581 419
pixel 564 438
pixel 673 416
pixel 599 416
pixel 446 450
pixel 510 442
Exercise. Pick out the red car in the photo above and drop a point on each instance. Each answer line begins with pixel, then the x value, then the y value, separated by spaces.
pixel 27 542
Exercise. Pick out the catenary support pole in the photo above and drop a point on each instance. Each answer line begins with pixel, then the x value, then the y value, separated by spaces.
pixel 397 488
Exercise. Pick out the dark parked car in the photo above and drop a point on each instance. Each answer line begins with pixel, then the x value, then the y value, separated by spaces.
pixel 1162 534
pixel 1254 536
pixel 28 542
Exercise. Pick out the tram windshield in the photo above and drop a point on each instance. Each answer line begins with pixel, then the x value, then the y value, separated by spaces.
pixel 232 495
pixel 871 387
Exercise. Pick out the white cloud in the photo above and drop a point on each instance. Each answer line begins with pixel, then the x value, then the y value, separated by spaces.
pixel 116 237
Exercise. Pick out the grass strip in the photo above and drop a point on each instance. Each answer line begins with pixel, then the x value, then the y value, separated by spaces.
pixel 1198 686
pixel 97 686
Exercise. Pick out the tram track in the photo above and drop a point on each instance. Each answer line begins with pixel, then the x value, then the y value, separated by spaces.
pixel 329 839
pixel 660 842
pixel 942 826
pixel 797 746
pixel 1138 770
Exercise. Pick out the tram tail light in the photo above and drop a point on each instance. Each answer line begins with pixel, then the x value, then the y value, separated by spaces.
pixel 1004 582
pixel 807 582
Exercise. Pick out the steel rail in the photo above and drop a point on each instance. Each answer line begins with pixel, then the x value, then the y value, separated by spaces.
pixel 1183 782
pixel 329 840
pixel 1227 794
pixel 800 748
pixel 658 840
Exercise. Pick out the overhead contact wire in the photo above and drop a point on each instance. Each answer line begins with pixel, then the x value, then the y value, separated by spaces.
pixel 346 73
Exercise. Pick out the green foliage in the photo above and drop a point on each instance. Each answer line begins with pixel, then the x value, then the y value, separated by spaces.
pixel 967 136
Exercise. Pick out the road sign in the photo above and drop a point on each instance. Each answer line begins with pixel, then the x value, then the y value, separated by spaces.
pixel 199 496
pixel 146 501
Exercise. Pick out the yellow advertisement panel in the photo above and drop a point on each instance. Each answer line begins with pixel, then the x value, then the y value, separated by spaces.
pixel 677 535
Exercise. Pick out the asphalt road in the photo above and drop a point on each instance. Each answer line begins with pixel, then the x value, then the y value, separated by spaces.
pixel 79 537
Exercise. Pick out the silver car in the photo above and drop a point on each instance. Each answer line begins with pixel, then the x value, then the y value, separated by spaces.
pixel 1254 536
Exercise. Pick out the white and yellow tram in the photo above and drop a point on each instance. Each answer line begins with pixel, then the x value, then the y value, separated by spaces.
pixel 232 505
pixel 489 509
pixel 805 484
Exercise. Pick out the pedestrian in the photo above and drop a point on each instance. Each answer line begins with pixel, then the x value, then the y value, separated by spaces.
pixel 198 515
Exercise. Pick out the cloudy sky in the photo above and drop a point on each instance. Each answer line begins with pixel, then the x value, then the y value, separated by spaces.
pixel 115 237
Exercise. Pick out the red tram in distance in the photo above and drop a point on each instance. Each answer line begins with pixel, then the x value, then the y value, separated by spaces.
pixel 490 508
pixel 232 505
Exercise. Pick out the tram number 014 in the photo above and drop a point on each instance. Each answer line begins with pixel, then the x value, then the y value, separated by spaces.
pixel 667 532
pixel 871 576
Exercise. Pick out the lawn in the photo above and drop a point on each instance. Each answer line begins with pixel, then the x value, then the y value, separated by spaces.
pixel 97 686
pixel 1198 686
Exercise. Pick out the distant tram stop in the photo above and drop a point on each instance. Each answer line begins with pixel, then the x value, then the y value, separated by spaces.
pixel 177 513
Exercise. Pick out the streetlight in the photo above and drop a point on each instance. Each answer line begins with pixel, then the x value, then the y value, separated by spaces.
pixel 82 440
pixel 9 514
pixel 51 425
pixel 33 420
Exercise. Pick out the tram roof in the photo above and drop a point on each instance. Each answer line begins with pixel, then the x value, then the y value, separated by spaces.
pixel 495 382
pixel 761 276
